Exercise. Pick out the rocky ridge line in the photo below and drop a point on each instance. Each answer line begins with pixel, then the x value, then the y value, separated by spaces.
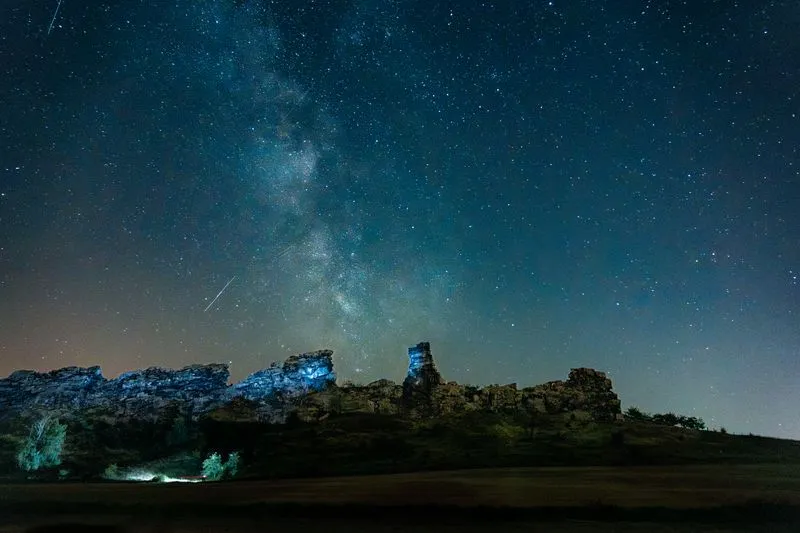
pixel 303 385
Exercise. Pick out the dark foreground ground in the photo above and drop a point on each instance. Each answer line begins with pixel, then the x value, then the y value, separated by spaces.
pixel 657 499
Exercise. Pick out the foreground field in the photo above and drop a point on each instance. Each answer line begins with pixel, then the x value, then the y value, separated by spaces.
pixel 675 487
pixel 762 497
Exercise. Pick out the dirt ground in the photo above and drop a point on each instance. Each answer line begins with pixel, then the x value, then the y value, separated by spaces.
pixel 681 498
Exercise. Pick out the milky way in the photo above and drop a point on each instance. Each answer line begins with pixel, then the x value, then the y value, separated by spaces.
pixel 530 186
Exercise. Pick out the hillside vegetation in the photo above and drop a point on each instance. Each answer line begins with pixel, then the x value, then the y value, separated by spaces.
pixel 352 444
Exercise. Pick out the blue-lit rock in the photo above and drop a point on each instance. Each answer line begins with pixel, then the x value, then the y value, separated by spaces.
pixel 299 374
pixel 66 388
pixel 421 381
pixel 194 389
pixel 149 393
pixel 421 368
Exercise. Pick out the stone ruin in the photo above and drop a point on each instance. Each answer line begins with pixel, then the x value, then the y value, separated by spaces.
pixel 304 384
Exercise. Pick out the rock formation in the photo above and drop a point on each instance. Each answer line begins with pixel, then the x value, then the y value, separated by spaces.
pixel 67 388
pixel 421 381
pixel 299 374
pixel 195 389
pixel 304 384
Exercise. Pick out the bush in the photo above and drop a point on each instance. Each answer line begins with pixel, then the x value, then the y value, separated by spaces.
pixel 43 446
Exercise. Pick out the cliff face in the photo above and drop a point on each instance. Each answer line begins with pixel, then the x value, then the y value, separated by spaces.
pixel 304 384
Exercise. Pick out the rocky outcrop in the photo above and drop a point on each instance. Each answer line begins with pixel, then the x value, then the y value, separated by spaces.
pixel 141 393
pixel 426 394
pixel 421 380
pixel 66 388
pixel 304 384
pixel 379 397
pixel 299 374
pixel 193 390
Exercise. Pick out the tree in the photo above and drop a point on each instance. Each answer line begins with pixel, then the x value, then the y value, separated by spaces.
pixel 232 464
pixel 634 413
pixel 43 446
pixel 666 419
pixel 212 467
pixel 691 422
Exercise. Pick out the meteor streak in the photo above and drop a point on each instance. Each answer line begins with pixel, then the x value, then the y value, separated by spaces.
pixel 219 294
pixel 54 17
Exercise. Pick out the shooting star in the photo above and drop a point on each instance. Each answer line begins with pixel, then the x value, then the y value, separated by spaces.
pixel 219 294
pixel 54 17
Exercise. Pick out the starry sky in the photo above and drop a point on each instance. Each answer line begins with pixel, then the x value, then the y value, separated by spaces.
pixel 530 186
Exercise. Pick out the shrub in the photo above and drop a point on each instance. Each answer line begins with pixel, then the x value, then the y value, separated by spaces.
pixel 43 446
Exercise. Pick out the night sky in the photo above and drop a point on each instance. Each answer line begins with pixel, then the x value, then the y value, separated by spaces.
pixel 530 186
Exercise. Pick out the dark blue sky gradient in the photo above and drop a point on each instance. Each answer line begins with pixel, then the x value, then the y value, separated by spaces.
pixel 531 186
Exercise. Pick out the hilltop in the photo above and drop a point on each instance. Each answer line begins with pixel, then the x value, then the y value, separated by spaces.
pixel 292 420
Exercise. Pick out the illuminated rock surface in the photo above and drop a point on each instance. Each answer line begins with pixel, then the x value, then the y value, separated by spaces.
pixel 69 388
pixel 194 390
pixel 421 381
pixel 299 374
